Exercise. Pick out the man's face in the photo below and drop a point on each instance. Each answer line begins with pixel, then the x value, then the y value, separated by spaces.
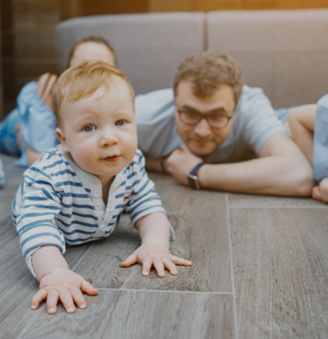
pixel 202 139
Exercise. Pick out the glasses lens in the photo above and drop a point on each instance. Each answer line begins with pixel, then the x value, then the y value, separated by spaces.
pixel 218 121
pixel 190 118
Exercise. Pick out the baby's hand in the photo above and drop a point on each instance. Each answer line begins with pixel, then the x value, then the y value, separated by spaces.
pixel 64 284
pixel 157 253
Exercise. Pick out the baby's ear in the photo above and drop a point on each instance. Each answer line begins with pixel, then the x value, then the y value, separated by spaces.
pixel 62 139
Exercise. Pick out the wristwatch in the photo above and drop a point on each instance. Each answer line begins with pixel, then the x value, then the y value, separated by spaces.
pixel 193 178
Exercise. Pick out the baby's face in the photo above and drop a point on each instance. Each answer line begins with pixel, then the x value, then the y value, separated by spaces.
pixel 100 131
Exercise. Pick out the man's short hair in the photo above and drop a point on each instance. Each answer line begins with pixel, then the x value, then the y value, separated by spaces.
pixel 82 80
pixel 207 71
pixel 96 39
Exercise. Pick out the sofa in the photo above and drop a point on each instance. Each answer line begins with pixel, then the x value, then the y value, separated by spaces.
pixel 285 52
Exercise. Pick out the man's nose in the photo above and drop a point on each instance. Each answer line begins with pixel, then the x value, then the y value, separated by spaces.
pixel 108 138
pixel 203 129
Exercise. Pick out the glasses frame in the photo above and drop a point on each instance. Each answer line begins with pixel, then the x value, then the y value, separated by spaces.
pixel 203 116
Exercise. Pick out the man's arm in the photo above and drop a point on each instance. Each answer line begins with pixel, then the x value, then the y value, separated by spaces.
pixel 281 169
pixel 301 123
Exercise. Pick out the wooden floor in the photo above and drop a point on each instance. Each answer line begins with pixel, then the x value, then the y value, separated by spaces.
pixel 260 271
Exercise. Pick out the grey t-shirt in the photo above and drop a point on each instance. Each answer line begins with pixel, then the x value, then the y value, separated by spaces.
pixel 255 123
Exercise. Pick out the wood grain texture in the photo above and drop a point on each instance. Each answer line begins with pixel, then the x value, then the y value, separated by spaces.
pixel 280 263
pixel 201 237
pixel 139 314
pixel 262 201
pixel 17 285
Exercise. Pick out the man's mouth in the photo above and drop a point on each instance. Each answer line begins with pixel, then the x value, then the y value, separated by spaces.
pixel 112 158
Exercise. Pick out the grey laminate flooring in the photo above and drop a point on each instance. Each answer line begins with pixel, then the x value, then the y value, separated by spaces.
pixel 260 270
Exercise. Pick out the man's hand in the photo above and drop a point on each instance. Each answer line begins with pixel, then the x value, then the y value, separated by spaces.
pixel 180 163
pixel 154 252
pixel 63 284
pixel 46 83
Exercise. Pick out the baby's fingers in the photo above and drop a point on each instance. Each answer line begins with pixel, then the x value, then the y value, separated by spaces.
pixel 87 288
pixel 146 266
pixel 52 301
pixel 316 193
pixel 130 260
pixel 180 261
pixel 37 298
pixel 158 264
pixel 78 297
pixel 67 300
pixel 170 266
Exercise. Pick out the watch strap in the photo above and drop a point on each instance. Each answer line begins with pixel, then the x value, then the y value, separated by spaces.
pixel 195 170
pixel 193 178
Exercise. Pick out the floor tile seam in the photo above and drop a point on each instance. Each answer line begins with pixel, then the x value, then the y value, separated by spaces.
pixel 231 264
pixel 160 291
pixel 83 256
pixel 31 322
pixel 278 207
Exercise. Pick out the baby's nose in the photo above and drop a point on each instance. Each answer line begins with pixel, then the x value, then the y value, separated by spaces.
pixel 108 139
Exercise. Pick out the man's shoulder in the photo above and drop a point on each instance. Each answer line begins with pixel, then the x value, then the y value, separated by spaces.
pixel 154 105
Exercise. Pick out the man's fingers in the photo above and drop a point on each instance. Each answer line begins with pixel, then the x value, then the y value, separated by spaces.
pixel 130 260
pixel 52 301
pixel 180 261
pixel 146 266
pixel 87 288
pixel 78 297
pixel 37 298
pixel 170 266
pixel 158 264
pixel 67 300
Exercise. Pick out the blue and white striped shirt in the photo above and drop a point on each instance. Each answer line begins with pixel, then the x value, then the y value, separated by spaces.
pixel 58 202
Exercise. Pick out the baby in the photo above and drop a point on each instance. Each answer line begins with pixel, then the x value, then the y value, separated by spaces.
pixel 76 192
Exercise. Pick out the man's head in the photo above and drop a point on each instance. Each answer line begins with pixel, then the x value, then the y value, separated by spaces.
pixel 206 85
pixel 91 48
pixel 94 106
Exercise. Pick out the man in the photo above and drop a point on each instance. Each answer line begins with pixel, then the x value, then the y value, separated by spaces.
pixel 212 132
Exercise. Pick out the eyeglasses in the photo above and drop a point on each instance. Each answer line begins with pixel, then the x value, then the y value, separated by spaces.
pixel 194 118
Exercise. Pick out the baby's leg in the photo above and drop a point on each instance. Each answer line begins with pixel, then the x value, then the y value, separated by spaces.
pixel 320 192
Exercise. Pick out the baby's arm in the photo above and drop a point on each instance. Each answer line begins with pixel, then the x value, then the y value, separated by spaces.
pixel 301 122
pixel 155 249
pixel 57 281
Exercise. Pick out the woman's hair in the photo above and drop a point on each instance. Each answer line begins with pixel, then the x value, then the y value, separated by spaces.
pixel 96 39
pixel 207 71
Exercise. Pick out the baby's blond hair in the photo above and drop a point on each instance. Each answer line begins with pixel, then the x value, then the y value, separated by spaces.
pixel 82 80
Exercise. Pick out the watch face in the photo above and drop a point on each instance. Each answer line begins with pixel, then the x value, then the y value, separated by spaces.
pixel 193 181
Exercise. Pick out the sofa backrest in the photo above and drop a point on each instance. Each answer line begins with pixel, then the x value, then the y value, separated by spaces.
pixel 284 52
pixel 149 46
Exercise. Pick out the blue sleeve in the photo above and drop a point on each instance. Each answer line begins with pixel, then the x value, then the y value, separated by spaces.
pixel 320 140
pixel 38 122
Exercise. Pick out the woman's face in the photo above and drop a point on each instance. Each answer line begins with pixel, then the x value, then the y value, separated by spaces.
pixel 92 51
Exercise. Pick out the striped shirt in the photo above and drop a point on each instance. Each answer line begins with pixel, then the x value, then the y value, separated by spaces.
pixel 58 202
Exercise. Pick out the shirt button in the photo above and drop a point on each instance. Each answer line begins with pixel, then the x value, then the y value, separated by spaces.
pixel 103 227
pixel 99 203
pixel 97 194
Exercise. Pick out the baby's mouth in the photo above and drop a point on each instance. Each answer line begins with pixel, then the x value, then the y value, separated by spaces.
pixel 112 158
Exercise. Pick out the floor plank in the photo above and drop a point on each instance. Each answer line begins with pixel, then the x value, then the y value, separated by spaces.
pixel 200 237
pixel 280 263
pixel 260 201
pixel 17 285
pixel 139 314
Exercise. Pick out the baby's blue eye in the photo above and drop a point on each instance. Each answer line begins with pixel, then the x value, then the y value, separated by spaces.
pixel 89 128
pixel 120 122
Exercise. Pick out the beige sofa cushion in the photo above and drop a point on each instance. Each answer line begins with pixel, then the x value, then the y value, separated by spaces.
pixel 284 52
pixel 149 46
